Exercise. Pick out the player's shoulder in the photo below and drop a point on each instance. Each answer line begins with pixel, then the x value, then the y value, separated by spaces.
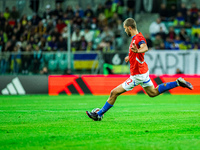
pixel 140 37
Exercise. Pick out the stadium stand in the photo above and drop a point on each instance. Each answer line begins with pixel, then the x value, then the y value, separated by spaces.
pixel 96 28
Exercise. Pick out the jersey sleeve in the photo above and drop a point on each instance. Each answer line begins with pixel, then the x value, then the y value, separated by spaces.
pixel 141 40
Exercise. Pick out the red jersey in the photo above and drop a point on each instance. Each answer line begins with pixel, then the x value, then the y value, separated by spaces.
pixel 137 63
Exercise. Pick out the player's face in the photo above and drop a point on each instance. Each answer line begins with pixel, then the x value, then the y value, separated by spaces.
pixel 127 30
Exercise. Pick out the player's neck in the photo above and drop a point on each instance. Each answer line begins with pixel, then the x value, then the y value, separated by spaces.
pixel 134 32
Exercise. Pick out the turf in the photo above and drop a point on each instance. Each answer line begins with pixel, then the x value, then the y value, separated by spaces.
pixel 135 122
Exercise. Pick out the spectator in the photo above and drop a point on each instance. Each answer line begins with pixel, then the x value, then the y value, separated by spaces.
pixel 60 25
pixel 117 7
pixel 188 19
pixel 178 71
pixel 157 42
pixel 86 23
pixel 70 12
pixel 52 45
pixel 42 44
pixel 172 12
pixel 89 12
pixel 76 37
pixel 94 25
pixel 58 12
pixel 107 35
pixel 187 43
pixel 196 31
pixel 168 43
pixel 183 10
pixel 44 71
pixel 15 60
pixel 196 46
pixel 183 34
pixel 65 33
pixel 113 21
pixel 193 11
pixel 16 33
pixel 50 26
pixel 26 60
pixel 4 61
pixel 179 21
pixel 174 46
pixel 102 21
pixel 11 22
pixel 149 41
pixel 162 46
pixel 171 33
pixel 56 34
pixel 35 20
pixel 89 47
pixel 47 14
pixel 156 26
pixel 108 11
pixel 2 20
pixel 99 10
pixel 40 29
pixel 66 19
pixel 198 17
pixel 178 40
pixel 2 40
pixel 162 33
pixel 163 12
pixel 82 44
pixel 103 46
pixel 77 20
pixel 24 20
pixel 88 35
pixel 13 41
pixel 62 44
pixel 37 57
pixel 8 30
pixel 130 8
pixel 7 13
pixel 32 41
pixel 80 11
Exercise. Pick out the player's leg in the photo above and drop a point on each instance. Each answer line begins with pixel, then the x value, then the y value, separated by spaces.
pixel 115 93
pixel 109 103
pixel 126 86
pixel 111 100
pixel 152 91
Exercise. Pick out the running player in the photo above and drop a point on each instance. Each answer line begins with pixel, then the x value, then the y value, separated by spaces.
pixel 139 72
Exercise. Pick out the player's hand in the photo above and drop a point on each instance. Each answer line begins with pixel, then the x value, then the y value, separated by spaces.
pixel 126 58
pixel 134 48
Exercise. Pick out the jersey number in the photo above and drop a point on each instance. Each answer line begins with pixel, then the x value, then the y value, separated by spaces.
pixel 129 80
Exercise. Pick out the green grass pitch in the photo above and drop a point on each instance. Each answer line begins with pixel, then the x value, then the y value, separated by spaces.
pixel 166 122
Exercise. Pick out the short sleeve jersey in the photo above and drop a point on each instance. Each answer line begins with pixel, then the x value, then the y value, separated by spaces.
pixel 137 62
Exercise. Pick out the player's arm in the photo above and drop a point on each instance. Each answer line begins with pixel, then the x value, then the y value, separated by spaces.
pixel 126 58
pixel 143 48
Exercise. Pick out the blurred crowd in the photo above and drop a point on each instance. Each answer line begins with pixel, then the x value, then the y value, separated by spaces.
pixel 91 29
pixel 95 28
pixel 177 28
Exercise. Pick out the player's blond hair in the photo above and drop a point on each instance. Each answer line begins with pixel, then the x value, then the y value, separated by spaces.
pixel 130 22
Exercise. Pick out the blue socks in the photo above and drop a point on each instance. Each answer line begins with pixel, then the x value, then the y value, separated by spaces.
pixel 167 86
pixel 161 88
pixel 104 109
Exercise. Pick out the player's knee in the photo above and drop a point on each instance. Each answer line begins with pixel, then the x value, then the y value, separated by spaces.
pixel 152 94
pixel 114 93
